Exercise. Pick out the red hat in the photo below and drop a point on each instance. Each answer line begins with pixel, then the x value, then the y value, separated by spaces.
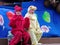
pixel 17 8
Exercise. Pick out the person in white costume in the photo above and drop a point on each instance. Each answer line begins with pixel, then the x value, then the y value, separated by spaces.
pixel 34 30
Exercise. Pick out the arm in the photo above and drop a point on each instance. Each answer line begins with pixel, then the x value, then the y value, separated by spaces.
pixel 26 23
pixel 12 23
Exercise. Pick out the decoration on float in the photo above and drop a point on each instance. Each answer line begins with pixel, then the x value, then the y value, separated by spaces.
pixel 45 28
pixel 46 17
pixel 1 20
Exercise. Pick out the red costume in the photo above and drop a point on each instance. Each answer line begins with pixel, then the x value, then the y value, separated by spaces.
pixel 19 28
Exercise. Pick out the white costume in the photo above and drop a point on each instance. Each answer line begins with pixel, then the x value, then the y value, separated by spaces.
pixel 34 30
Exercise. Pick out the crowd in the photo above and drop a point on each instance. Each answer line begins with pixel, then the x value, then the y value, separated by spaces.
pixel 55 4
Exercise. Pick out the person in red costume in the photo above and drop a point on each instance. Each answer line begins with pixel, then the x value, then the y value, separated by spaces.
pixel 20 27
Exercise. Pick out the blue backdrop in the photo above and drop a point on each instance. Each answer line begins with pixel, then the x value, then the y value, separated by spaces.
pixel 54 25
pixel 54 17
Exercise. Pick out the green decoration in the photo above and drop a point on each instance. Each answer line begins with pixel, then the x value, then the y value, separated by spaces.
pixel 46 17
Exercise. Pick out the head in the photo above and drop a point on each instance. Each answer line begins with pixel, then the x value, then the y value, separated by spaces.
pixel 31 9
pixel 18 10
pixel 18 13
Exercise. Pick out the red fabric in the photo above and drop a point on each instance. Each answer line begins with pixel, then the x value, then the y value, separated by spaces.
pixel 26 23
pixel 26 34
pixel 17 8
pixel 17 37
pixel 26 38
pixel 10 15
pixel 18 24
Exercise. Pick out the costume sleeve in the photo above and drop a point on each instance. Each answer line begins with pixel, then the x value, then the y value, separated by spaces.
pixel 26 23
pixel 12 23
pixel 38 28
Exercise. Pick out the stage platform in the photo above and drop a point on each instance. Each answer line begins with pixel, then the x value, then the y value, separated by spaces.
pixel 52 44
pixel 44 41
pixel 50 41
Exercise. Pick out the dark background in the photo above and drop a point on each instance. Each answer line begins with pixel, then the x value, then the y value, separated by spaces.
pixel 15 0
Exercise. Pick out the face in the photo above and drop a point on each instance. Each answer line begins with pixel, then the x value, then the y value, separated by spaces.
pixel 31 11
pixel 18 13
